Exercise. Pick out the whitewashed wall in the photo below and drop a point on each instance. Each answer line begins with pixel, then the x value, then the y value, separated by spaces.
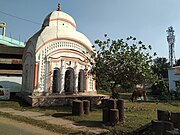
pixel 172 77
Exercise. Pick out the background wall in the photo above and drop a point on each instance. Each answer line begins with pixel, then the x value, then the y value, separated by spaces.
pixel 13 83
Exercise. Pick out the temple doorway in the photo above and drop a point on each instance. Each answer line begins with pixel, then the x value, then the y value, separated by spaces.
pixel 69 81
pixel 56 80
pixel 81 81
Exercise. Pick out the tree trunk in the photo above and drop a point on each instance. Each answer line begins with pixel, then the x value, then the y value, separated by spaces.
pixel 114 92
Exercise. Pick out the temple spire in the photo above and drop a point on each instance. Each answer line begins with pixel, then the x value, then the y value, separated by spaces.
pixel 59 7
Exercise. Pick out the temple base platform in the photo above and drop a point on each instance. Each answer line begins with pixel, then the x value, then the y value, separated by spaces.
pixel 62 99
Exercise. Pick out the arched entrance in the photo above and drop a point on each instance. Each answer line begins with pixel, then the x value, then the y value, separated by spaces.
pixel 69 81
pixel 81 81
pixel 56 80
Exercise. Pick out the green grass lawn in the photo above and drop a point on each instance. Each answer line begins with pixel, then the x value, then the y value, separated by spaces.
pixel 137 114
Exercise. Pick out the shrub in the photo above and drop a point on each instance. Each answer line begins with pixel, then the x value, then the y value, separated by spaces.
pixel 105 92
pixel 160 88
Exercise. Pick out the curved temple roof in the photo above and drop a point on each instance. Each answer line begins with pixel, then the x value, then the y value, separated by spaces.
pixel 59 25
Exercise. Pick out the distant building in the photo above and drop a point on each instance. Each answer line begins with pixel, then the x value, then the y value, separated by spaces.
pixel 174 78
pixel 57 59
pixel 11 51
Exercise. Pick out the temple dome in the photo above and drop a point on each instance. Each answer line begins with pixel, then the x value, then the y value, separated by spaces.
pixel 58 16
pixel 50 33
pixel 57 26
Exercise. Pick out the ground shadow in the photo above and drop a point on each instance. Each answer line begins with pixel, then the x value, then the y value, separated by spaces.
pixel 89 123
pixel 143 130
pixel 61 114
pixel 79 133
pixel 20 101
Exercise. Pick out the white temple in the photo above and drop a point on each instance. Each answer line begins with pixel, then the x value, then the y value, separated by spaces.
pixel 57 59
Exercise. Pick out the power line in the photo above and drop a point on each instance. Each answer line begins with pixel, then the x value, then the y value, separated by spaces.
pixel 20 18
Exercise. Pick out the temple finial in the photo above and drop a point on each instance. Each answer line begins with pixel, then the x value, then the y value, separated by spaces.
pixel 59 7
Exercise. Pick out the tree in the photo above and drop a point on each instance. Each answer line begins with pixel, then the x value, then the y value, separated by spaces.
pixel 160 67
pixel 177 62
pixel 160 87
pixel 119 62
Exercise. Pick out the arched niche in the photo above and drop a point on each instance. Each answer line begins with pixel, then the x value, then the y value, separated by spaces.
pixel 56 80
pixel 81 81
pixel 69 85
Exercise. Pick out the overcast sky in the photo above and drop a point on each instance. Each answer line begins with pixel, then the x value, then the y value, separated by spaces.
pixel 147 20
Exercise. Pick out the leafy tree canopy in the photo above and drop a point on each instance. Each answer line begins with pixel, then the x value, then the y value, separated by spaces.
pixel 160 67
pixel 123 61
pixel 177 62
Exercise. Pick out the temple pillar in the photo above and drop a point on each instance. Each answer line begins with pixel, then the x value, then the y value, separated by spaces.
pixel 62 76
pixel 49 78
pixel 87 81
pixel 76 77
pixel 94 89
pixel 76 83
pixel 36 68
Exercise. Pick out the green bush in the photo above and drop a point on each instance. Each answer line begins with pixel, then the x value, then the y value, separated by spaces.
pixel 160 88
pixel 175 95
pixel 105 92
